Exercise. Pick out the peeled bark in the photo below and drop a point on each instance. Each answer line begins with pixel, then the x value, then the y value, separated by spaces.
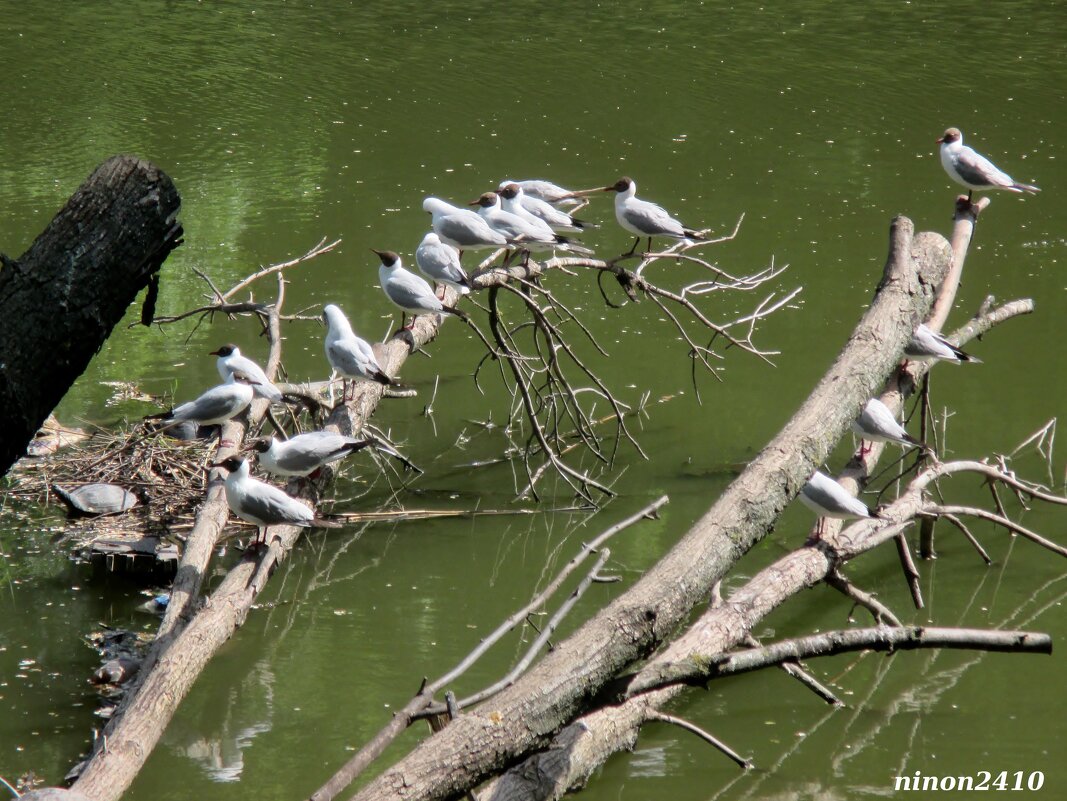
pixel 524 717
pixel 61 298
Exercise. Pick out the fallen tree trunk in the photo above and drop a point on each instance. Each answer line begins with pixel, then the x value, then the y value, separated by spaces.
pixel 190 634
pixel 60 299
pixel 584 745
pixel 524 717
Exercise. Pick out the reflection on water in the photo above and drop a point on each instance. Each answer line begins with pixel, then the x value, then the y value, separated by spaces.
pixel 228 724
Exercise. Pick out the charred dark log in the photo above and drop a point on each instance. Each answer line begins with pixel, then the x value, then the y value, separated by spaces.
pixel 61 298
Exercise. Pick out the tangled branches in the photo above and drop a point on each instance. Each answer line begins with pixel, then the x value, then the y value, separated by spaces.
pixel 556 394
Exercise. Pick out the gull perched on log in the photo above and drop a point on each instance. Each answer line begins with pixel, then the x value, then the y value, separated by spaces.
pixel 515 200
pixel 305 453
pixel 232 361
pixel 966 166
pixel 439 261
pixel 877 424
pixel 646 219
pixel 461 228
pixel 351 356
pixel 929 346
pixel 827 498
pixel 408 292
pixel 264 504
pixel 213 407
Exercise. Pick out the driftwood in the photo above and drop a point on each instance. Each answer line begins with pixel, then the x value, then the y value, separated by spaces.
pixel 60 299
pixel 556 707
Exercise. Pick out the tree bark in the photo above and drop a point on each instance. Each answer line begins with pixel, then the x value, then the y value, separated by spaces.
pixel 61 298
pixel 525 716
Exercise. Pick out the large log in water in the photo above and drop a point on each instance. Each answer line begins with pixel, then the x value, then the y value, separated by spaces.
pixel 523 718
pixel 61 298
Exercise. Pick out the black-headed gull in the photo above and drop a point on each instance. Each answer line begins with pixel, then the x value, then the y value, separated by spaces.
pixel 408 292
pixel 305 453
pixel 548 191
pixel 461 228
pixel 523 230
pixel 213 407
pixel 930 346
pixel 439 262
pixel 877 424
pixel 515 200
pixel 827 498
pixel 645 219
pixel 232 361
pixel 517 230
pixel 966 166
pixel 264 504
pixel 352 357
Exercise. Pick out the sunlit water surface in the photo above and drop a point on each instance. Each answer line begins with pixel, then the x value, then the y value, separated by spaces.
pixel 283 123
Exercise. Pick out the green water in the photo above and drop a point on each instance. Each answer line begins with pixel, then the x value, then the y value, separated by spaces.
pixel 282 123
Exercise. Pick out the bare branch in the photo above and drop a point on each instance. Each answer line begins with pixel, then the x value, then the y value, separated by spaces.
pixel 402 719
pixel 317 250
pixel 1000 520
pixel 881 612
pixel 702 667
pixel 703 735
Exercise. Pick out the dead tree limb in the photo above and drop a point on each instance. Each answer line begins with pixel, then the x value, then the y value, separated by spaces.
pixel 555 388
pixel 583 745
pixel 710 739
pixel 525 716
pixel 590 739
pixel 422 701
pixel 192 634
pixel 724 626
pixel 700 668
pixel 63 296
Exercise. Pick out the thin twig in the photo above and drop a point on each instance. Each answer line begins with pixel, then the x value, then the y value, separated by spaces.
pixel 702 734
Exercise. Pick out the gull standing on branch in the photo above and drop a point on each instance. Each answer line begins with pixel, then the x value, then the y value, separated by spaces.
pixel 929 346
pixel 306 453
pixel 408 292
pixel 528 233
pixel 827 498
pixel 518 202
pixel 549 192
pixel 646 219
pixel 264 504
pixel 352 357
pixel 966 166
pixel 439 261
pixel 231 361
pixel 461 228
pixel 213 407
pixel 877 424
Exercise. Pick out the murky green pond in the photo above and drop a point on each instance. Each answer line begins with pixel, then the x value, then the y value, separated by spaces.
pixel 285 122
